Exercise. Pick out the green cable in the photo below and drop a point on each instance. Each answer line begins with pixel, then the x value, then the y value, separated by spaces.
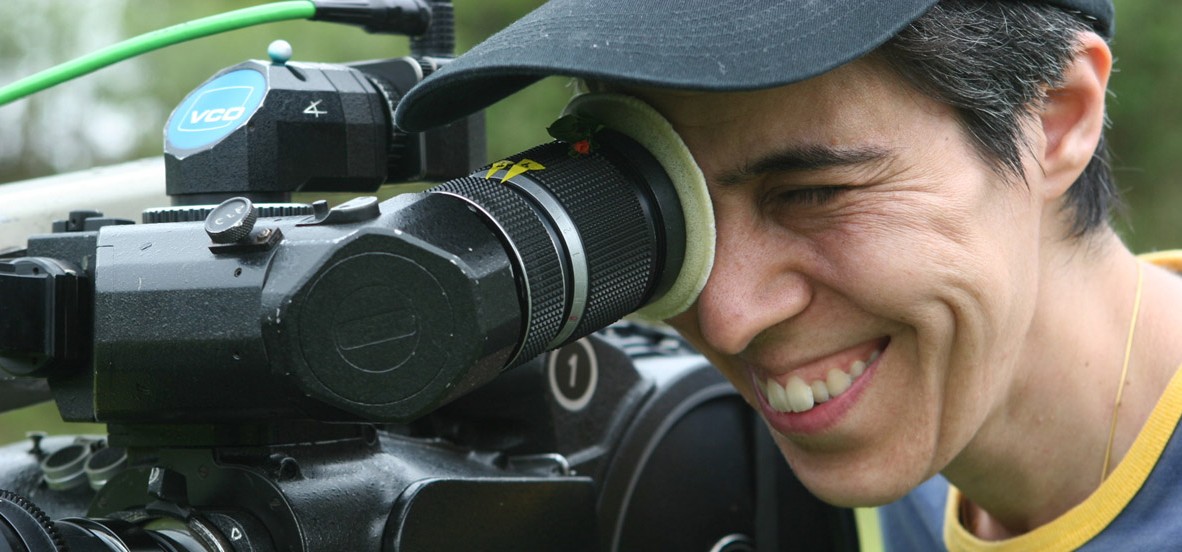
pixel 198 28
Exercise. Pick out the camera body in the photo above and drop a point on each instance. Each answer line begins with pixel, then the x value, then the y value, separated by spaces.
pixel 625 440
pixel 438 371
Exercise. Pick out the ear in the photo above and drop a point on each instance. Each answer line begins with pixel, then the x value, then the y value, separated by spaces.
pixel 1073 115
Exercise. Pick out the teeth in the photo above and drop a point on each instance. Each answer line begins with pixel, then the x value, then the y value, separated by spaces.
pixel 800 395
pixel 777 396
pixel 820 391
pixel 837 381
pixel 857 368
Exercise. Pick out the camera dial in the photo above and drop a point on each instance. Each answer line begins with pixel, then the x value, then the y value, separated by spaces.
pixel 231 221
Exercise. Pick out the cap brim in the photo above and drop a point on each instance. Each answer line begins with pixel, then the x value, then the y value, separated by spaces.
pixel 713 45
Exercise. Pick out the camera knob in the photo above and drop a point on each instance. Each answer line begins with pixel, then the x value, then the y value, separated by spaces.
pixel 231 221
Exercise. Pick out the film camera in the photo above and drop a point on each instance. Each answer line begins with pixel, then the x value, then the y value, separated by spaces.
pixel 431 372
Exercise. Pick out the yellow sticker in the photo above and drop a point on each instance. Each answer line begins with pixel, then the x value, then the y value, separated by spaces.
pixel 521 167
pixel 513 169
pixel 498 166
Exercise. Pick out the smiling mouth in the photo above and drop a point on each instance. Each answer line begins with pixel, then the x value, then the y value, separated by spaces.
pixel 797 395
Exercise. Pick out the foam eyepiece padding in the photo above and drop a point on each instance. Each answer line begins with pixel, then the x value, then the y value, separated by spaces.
pixel 639 121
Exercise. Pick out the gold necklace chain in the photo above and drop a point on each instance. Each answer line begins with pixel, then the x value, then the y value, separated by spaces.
pixel 964 511
pixel 1124 372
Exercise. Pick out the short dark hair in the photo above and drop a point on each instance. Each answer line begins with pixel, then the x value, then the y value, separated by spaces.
pixel 992 61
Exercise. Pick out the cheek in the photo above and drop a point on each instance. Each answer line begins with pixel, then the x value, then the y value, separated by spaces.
pixel 952 266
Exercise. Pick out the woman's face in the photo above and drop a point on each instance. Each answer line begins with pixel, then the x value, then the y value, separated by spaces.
pixel 866 257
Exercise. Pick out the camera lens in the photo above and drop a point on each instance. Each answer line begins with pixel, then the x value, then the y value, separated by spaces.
pixel 451 286
pixel 26 528
pixel 590 233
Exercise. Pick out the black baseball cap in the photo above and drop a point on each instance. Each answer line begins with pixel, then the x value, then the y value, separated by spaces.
pixel 713 45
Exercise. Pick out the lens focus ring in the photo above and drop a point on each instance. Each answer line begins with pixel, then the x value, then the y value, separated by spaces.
pixel 538 257
pixel 617 222
pixel 584 228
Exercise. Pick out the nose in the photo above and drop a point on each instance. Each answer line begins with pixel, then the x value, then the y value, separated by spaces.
pixel 755 284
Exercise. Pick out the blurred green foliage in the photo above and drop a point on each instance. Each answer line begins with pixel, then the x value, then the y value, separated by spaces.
pixel 117 113
pixel 1146 121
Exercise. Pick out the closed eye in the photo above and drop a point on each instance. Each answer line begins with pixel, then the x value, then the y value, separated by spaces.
pixel 807 197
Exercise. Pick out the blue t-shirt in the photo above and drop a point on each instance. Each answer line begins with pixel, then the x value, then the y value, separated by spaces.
pixel 1138 508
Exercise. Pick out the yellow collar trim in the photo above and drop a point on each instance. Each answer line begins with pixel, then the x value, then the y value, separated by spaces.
pixel 1087 519
pixel 1170 260
pixel 1083 522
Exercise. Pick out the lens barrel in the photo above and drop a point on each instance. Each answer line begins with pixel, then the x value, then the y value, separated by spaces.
pixel 25 528
pixel 446 289
pixel 593 235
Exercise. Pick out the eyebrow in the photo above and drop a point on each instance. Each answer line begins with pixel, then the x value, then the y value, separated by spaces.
pixel 799 159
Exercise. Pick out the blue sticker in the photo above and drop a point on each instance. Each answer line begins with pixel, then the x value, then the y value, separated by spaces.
pixel 213 111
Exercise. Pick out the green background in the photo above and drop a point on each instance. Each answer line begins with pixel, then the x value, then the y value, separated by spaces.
pixel 117 113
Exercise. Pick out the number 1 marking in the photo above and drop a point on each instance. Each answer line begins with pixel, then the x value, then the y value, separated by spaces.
pixel 574 366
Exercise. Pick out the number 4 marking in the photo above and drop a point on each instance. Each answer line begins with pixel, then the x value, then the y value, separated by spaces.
pixel 314 109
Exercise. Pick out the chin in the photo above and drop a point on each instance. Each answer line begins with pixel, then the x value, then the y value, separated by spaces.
pixel 849 496
pixel 843 481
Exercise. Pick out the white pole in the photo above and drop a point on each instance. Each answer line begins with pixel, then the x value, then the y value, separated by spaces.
pixel 123 191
